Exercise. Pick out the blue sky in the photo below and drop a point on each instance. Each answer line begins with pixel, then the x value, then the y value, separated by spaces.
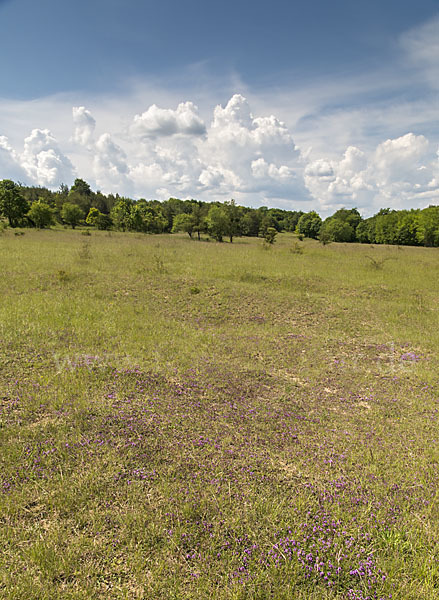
pixel 291 104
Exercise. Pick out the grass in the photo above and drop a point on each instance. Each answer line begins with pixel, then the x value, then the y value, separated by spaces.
pixel 188 420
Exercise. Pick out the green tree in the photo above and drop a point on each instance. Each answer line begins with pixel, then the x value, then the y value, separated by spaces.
pixel 84 202
pixel 386 224
pixel 428 226
pixel 365 232
pixel 104 222
pixel 120 213
pixel 250 222
pixel 12 204
pixel 198 215
pixel 71 214
pixel 183 222
pixel 81 187
pixel 336 230
pixel 309 225
pixel 41 214
pixel 348 215
pixel 407 228
pixel 267 222
pixel 92 217
pixel 270 235
pixel 233 219
pixel 217 222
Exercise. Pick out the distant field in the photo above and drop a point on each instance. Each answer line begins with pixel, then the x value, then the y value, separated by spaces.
pixel 193 420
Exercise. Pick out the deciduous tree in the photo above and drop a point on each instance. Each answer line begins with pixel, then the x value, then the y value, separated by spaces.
pixel 12 204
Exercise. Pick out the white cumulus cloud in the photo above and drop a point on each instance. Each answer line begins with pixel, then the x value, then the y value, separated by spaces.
pixel 161 122
pixel 10 167
pixel 110 166
pixel 399 173
pixel 43 161
pixel 84 126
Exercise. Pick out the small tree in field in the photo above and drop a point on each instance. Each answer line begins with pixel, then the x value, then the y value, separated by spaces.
pixel 41 214
pixel 71 214
pixel 270 235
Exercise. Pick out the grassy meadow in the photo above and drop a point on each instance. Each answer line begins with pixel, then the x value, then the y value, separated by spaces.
pixel 193 420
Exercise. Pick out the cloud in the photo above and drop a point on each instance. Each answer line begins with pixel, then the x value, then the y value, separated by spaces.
pixel 162 122
pixel 84 126
pixel 258 151
pixel 10 167
pixel 42 160
pixel 421 46
pixel 174 151
pixel 319 145
pixel 110 166
pixel 398 173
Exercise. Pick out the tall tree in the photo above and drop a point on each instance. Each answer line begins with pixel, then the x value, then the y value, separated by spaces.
pixel 82 187
pixel 12 204
pixel 217 222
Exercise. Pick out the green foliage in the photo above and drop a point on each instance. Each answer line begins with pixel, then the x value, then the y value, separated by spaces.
pixel 365 231
pixel 250 222
pixel 198 215
pixel 104 222
pixel 13 205
pixel 270 235
pixel 217 222
pixel 72 214
pixel 341 226
pixel 427 230
pixel 41 214
pixel 120 214
pixel 81 187
pixel 93 216
pixel 309 225
pixel 233 219
pixel 183 222
pixel 325 237
pixel 267 222
pixel 336 230
pixel 398 227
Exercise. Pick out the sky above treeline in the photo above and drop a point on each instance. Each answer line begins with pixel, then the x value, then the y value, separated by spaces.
pixel 296 105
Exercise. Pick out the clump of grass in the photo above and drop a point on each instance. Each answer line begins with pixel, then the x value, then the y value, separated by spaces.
pixel 159 265
pixel 63 276
pixel 194 290
pixel 297 248
pixel 85 252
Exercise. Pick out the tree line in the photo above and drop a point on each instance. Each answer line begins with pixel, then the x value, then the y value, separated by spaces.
pixel 39 207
